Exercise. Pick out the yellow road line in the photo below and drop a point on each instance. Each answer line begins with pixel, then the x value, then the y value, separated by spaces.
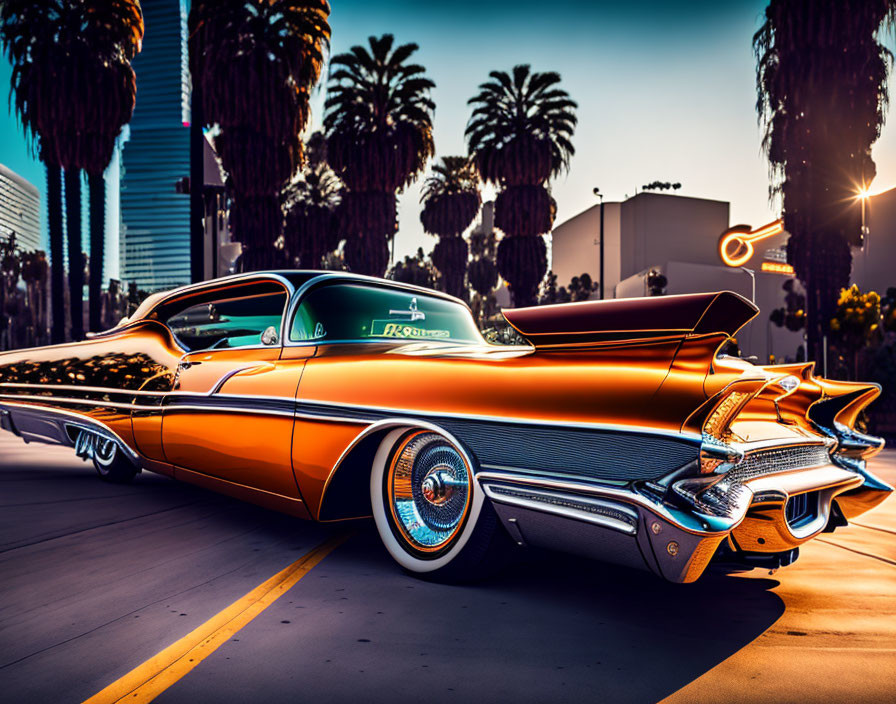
pixel 147 681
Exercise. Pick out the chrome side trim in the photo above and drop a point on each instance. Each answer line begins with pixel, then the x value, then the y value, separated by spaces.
pixel 596 511
pixel 228 409
pixel 555 475
pixel 229 375
pixel 86 389
pixel 696 524
pixel 77 402
pixel 304 409
pixel 636 430
pixel 338 419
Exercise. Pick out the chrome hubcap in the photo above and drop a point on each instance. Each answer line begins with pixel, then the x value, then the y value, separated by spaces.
pixel 438 485
pixel 105 452
pixel 101 450
pixel 428 490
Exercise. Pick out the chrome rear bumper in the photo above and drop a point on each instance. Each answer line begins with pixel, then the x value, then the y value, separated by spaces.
pixel 622 525
pixel 635 525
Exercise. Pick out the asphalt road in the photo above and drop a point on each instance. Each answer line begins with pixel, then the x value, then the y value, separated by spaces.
pixel 96 579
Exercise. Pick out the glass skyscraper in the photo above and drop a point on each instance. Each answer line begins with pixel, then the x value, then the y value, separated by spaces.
pixel 155 242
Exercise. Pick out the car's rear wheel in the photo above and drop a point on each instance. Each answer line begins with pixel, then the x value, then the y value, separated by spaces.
pixel 430 513
pixel 111 464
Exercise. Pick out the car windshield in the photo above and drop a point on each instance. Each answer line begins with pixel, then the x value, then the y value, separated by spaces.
pixel 352 312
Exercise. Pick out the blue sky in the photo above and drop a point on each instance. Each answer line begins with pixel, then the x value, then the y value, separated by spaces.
pixel 665 90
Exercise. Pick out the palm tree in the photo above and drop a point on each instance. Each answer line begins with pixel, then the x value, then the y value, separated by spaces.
pixel 113 33
pixel 256 62
pixel 519 136
pixel 32 39
pixel 74 90
pixel 414 270
pixel 379 139
pixel 309 204
pixel 72 182
pixel 822 94
pixel 103 37
pixel 34 274
pixel 481 271
pixel 451 201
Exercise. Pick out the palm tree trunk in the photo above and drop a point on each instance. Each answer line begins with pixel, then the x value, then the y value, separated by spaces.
pixel 57 266
pixel 97 185
pixel 75 252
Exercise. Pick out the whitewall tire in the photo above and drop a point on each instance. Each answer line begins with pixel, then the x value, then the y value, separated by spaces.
pixel 430 512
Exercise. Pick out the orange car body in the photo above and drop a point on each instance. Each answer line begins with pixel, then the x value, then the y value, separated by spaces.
pixel 618 416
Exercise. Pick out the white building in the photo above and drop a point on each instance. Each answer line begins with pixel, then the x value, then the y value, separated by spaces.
pixel 679 237
pixel 19 210
pixel 639 233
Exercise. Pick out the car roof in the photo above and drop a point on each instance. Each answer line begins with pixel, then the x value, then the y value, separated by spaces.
pixel 294 280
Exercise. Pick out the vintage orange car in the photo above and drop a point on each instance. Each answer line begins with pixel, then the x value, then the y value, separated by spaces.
pixel 618 432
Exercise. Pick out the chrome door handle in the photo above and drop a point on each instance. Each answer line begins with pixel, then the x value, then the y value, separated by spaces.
pixel 186 365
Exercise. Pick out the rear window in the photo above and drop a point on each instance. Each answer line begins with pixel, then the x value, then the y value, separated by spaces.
pixel 351 312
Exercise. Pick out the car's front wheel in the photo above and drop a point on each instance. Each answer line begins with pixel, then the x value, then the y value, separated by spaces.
pixel 430 513
pixel 111 464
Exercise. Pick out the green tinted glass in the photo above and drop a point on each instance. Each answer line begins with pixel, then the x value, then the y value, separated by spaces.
pixel 349 312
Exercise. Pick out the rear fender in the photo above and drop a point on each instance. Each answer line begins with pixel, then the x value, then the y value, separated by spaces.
pixel 346 494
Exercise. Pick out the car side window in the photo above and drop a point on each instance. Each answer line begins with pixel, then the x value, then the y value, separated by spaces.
pixel 229 321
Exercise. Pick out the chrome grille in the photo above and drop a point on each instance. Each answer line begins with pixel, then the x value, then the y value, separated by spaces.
pixel 779 459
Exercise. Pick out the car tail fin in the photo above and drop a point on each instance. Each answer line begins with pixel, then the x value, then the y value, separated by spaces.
pixel 797 397
pixel 836 412
pixel 598 323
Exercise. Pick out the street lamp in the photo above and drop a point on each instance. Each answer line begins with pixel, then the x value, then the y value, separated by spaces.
pixel 863 195
pixel 600 282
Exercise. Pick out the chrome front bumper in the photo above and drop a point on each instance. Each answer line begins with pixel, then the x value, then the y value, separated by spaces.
pixel 646 525
pixel 55 426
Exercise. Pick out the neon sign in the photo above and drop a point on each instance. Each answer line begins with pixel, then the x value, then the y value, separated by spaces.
pixel 736 243
pixel 777 268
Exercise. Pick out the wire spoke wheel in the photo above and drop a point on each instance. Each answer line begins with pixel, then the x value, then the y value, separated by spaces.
pixel 104 454
pixel 430 513
pixel 110 462
pixel 429 492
